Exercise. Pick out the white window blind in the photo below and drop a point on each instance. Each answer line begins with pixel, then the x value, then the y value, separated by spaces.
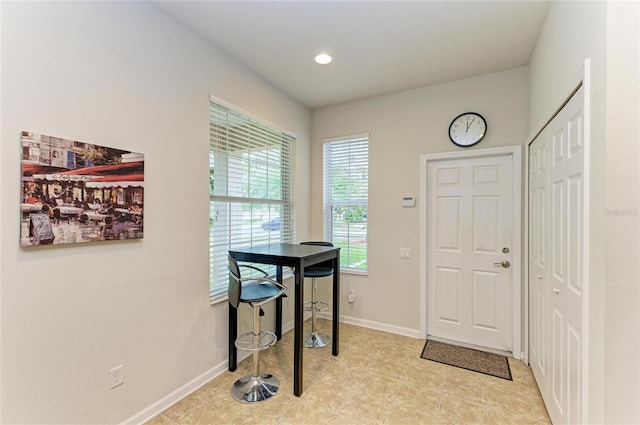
pixel 346 193
pixel 251 189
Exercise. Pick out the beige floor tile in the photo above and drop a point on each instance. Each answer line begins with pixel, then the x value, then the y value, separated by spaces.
pixel 304 412
pixel 501 415
pixel 181 409
pixel 161 420
pixel 368 407
pixel 219 412
pixel 506 386
pixel 495 381
pixel 519 370
pixel 346 420
pixel 469 391
pixel 459 374
pixel 400 415
pixel 533 387
pixel 515 396
pixel 269 410
pixel 464 384
pixel 455 410
pixel 409 387
pixel 541 412
pixel 425 401
pixel 378 378
pixel 427 368
pixel 217 388
pixel 324 396
pixel 362 414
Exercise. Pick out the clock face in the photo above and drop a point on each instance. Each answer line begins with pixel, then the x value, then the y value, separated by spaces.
pixel 467 129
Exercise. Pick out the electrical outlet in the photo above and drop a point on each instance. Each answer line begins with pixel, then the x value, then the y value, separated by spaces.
pixel 352 296
pixel 117 376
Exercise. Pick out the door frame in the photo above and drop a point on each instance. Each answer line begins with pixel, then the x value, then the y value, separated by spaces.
pixel 517 302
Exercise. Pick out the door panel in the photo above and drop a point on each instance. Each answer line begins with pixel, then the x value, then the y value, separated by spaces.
pixel 469 223
pixel 574 228
pixel 556 363
pixel 447 292
pixel 539 332
pixel 485 295
pixel 486 224
pixel 574 356
pixel 557 230
pixel 449 232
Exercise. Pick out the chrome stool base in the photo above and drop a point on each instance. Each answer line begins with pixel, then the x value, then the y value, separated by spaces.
pixel 316 340
pixel 251 389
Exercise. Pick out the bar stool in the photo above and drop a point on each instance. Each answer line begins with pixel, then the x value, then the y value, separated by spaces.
pixel 256 292
pixel 324 269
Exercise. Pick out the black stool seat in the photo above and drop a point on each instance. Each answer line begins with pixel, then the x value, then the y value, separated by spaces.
pixel 258 292
pixel 318 271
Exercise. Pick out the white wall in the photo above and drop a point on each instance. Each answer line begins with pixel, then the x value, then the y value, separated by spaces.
pixel 606 32
pixel 622 215
pixel 402 127
pixel 118 74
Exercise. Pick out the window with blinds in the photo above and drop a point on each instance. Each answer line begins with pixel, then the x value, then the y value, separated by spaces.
pixel 251 189
pixel 346 192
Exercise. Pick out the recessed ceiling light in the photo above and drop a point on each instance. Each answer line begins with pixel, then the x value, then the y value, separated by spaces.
pixel 323 59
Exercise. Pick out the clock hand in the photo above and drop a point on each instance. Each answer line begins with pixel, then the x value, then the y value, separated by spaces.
pixel 469 124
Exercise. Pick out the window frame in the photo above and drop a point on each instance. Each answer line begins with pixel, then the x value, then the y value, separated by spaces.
pixel 221 151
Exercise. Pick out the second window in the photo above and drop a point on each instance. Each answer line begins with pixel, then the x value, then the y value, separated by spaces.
pixel 345 194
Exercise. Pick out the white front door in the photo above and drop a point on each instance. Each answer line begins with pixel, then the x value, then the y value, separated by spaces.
pixel 470 247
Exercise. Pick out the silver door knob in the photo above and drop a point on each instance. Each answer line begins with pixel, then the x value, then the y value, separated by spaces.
pixel 504 264
pixel 556 291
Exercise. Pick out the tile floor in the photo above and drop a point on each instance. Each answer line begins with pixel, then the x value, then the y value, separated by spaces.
pixel 378 378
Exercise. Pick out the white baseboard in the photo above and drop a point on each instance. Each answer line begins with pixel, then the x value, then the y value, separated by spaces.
pixel 175 396
pixel 413 333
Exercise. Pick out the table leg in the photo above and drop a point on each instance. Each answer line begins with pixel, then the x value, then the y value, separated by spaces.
pixel 233 333
pixel 297 329
pixel 335 349
pixel 279 305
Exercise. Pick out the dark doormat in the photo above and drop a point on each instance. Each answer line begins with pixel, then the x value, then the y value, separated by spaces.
pixel 467 358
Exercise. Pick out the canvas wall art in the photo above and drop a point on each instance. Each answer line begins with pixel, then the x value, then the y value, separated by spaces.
pixel 76 192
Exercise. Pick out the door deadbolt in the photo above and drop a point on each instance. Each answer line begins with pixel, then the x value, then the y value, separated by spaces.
pixel 505 250
pixel 504 264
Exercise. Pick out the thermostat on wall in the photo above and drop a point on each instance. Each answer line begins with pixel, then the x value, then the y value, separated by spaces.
pixel 408 201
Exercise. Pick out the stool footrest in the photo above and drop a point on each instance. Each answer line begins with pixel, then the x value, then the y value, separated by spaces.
pixel 245 341
pixel 316 306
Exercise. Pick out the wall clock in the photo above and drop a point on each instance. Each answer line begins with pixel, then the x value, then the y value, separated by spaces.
pixel 467 129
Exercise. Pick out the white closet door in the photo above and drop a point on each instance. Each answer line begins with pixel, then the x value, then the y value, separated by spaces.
pixel 556 211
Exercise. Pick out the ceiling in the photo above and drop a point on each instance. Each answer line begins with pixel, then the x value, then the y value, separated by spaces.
pixel 379 47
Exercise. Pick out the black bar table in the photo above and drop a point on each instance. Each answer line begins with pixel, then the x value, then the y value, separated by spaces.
pixel 298 257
